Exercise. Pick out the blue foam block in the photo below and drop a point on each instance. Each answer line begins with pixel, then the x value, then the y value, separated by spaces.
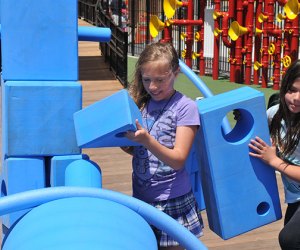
pixel 19 175
pixel 192 166
pixel 83 173
pixel 58 167
pixel 38 118
pixel 103 123
pixel 240 192
pixel 40 42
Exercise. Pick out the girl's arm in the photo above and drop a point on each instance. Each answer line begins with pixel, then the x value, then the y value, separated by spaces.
pixel 174 157
pixel 268 155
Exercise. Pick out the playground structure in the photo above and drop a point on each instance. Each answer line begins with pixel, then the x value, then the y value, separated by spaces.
pixel 256 39
pixel 40 93
pixel 49 100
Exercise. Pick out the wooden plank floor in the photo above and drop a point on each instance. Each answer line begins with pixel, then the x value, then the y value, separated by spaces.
pixel 98 82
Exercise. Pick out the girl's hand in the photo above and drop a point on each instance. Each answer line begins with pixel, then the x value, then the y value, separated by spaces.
pixel 262 150
pixel 141 135
pixel 268 154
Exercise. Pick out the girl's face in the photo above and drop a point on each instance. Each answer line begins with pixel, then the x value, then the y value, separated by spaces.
pixel 292 97
pixel 158 79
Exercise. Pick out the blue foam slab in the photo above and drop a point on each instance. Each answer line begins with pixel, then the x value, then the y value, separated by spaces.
pixel 38 117
pixel 192 166
pixel 40 42
pixel 19 175
pixel 103 123
pixel 240 192
pixel 81 223
pixel 83 173
pixel 58 167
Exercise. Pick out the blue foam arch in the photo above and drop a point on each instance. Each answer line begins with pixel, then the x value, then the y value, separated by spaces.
pixel 153 216
pixel 94 34
pixel 200 85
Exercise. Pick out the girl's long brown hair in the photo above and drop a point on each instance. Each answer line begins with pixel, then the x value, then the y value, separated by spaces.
pixel 152 52
pixel 288 144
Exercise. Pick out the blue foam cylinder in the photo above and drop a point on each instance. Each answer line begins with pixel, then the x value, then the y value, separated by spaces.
pixel 152 215
pixel 83 173
pixel 41 41
pixel 19 175
pixel 81 223
pixel 38 117
pixel 240 192
pixel 58 167
pixel 94 34
pixel 103 123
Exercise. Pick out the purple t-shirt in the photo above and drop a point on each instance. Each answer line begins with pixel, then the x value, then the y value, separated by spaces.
pixel 152 179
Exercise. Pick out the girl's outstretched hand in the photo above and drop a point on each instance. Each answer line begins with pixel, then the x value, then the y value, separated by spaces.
pixel 141 135
pixel 262 150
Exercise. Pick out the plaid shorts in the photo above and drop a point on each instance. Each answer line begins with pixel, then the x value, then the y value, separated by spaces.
pixel 183 209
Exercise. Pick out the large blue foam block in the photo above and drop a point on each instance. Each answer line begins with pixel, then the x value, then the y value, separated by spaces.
pixel 59 163
pixel 38 117
pixel 81 223
pixel 40 42
pixel 19 175
pixel 103 123
pixel 240 192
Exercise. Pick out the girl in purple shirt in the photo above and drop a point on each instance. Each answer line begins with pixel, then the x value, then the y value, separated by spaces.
pixel 170 123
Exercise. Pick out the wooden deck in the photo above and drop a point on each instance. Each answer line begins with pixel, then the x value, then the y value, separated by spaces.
pixel 98 82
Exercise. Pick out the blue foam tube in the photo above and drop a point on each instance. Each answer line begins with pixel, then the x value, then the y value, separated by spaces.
pixel 200 85
pixel 153 216
pixel 94 34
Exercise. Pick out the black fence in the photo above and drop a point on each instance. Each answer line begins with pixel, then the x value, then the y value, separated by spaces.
pixel 132 34
pixel 115 51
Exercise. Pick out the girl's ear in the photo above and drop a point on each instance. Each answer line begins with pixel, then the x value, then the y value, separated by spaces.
pixel 177 71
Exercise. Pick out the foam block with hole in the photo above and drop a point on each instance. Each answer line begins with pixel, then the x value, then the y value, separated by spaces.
pixel 240 191
pixel 40 42
pixel 103 123
pixel 37 117
pixel 19 175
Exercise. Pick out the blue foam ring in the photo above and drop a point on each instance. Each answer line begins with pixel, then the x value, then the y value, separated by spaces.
pixel 200 85
pixel 94 34
pixel 152 215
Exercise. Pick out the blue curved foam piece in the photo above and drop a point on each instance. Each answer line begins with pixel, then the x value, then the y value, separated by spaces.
pixel 240 191
pixel 83 173
pixel 200 85
pixel 81 223
pixel 152 215
pixel 94 34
